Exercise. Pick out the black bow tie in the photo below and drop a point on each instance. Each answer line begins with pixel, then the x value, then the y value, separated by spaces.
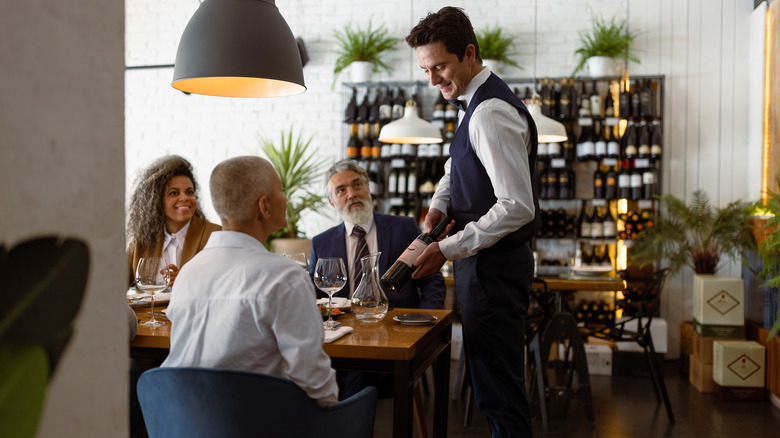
pixel 459 104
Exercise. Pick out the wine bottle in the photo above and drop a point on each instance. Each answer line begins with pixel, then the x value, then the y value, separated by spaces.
pixel 584 222
pixel 656 151
pixel 624 102
pixel 636 185
pixel 401 183
pixel 610 184
pixel 353 146
pixel 600 143
pixel 610 226
pixel 411 179
pixel 630 140
pixel 392 183
pixel 437 117
pixel 646 97
pixel 401 272
pixel 399 103
pixel 613 146
pixel 595 101
pixel 636 99
pixel 648 184
pixel 598 184
pixel 643 151
pixel 596 224
pixel 546 94
pixel 362 109
pixel 543 184
pixel 350 113
pixel 609 104
pixel 624 184
pixel 564 101
pixel 386 107
pixel 373 107
pixel 552 184
pixel 565 188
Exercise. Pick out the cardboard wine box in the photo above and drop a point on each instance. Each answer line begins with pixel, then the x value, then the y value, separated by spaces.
pixel 599 359
pixel 702 346
pixel 700 374
pixel 719 306
pixel 739 364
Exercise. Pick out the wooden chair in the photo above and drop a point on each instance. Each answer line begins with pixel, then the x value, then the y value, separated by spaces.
pixel 206 403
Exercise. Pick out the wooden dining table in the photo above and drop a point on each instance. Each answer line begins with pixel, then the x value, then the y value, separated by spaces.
pixel 386 347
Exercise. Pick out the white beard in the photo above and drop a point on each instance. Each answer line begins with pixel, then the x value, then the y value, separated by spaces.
pixel 358 215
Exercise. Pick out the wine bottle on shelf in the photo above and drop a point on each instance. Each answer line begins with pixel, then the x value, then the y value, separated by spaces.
pixel 643 151
pixel 649 184
pixel 598 184
pixel 624 184
pixel 624 102
pixel 386 107
pixel 450 114
pixel 373 107
pixel 401 271
pixel 600 142
pixel 609 103
pixel 543 184
pixel 656 150
pixel 399 103
pixel 362 110
pixel 636 100
pixel 552 183
pixel 565 184
pixel 437 117
pixel 546 95
pixel 596 224
pixel 411 179
pixel 646 99
pixel 595 101
pixel 401 183
pixel 636 185
pixel 613 145
pixel 554 150
pixel 610 184
pixel 585 145
pixel 392 183
pixel 448 137
pixel 610 225
pixel 565 100
pixel 630 140
pixel 351 112
pixel 353 146
pixel 584 110
pixel 366 143
pixel 584 222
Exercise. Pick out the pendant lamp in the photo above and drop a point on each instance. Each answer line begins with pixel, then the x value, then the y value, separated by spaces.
pixel 410 129
pixel 548 130
pixel 238 48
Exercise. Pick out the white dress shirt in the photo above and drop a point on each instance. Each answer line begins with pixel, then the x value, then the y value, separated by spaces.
pixel 173 245
pixel 237 306
pixel 499 136
pixel 351 242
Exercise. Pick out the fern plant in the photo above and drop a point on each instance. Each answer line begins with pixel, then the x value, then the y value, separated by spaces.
pixel 495 44
pixel 298 169
pixel 769 250
pixel 696 236
pixel 605 39
pixel 356 44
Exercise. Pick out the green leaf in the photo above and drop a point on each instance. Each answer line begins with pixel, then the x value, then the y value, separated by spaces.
pixel 25 373
pixel 358 44
pixel 494 44
pixel 605 39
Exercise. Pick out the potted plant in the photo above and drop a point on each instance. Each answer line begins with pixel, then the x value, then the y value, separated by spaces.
pixel 495 47
pixel 696 236
pixel 605 43
pixel 298 169
pixel 364 46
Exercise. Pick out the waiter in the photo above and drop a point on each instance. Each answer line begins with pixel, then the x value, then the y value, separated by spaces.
pixel 488 190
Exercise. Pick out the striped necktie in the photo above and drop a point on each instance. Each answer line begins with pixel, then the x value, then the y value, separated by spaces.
pixel 361 250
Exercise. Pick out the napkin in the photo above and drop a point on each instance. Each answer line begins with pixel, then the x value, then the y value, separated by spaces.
pixel 332 335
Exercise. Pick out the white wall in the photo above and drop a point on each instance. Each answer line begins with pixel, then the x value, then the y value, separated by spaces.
pixel 62 172
pixel 700 45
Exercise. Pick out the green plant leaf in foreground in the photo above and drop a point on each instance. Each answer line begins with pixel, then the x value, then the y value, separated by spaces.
pixel 25 371
pixel 495 44
pixel 605 39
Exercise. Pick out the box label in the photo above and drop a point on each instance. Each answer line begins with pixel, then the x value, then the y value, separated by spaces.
pixel 723 302
pixel 744 367
pixel 720 331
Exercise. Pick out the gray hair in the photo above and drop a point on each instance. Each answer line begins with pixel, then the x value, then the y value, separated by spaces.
pixel 341 166
pixel 236 184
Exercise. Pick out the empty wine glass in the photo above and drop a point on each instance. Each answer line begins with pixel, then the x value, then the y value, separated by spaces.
pixel 330 276
pixel 152 276
pixel 299 258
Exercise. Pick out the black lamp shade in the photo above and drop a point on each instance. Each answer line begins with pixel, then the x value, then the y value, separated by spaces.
pixel 238 48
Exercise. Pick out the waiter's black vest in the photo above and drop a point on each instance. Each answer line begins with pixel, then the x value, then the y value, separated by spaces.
pixel 471 192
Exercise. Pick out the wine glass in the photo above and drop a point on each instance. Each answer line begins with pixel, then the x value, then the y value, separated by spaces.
pixel 152 276
pixel 330 276
pixel 299 258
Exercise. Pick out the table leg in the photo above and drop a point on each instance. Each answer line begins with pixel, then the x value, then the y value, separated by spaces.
pixel 441 374
pixel 403 411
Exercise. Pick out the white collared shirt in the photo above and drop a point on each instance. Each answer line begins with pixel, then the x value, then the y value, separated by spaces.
pixel 499 135
pixel 351 242
pixel 237 306
pixel 177 240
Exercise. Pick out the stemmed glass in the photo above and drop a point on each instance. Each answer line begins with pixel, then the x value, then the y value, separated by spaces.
pixel 299 258
pixel 152 276
pixel 330 275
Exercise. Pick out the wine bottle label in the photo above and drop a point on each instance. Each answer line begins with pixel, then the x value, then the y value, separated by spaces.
pixel 434 150
pixel 655 149
pixel 412 252
pixel 644 149
pixel 648 178
pixel 630 150
pixel 408 150
pixel 385 112
pixel 624 180
pixel 553 149
pixel 542 149
pixel 451 113
pixel 395 150
pixel 422 150
pixel 601 148
pixel 610 229
pixel 587 148
pixel 636 180
pixel 613 148
pixel 438 113
pixel 585 229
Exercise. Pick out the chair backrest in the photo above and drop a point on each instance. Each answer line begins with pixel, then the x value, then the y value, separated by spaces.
pixel 205 402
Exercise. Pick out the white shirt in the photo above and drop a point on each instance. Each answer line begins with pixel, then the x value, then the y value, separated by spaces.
pixel 237 306
pixel 499 135
pixel 351 242
pixel 173 245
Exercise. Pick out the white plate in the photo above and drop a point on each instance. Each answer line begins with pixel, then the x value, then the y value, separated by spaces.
pixel 338 302
pixel 591 271
pixel 141 300
pixel 395 318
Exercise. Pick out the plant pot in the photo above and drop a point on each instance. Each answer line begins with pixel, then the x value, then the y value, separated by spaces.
pixel 603 66
pixel 761 229
pixel 291 246
pixel 361 71
pixel 492 64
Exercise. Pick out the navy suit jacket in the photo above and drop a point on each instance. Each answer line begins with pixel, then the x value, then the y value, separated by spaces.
pixel 393 235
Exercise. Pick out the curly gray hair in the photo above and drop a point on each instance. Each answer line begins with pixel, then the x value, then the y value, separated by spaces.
pixel 146 216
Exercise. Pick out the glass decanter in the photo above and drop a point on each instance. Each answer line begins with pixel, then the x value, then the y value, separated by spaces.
pixel 369 302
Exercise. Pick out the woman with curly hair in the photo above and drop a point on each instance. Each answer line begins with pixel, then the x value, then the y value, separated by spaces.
pixel 164 219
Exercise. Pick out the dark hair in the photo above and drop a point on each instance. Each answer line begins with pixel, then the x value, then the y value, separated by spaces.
pixel 450 26
pixel 146 216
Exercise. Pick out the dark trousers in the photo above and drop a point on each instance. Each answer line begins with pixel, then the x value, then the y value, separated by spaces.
pixel 493 290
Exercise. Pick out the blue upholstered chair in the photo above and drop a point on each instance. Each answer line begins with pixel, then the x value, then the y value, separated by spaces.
pixel 204 402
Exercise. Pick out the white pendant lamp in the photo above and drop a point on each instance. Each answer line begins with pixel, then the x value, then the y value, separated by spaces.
pixel 238 48
pixel 547 129
pixel 410 129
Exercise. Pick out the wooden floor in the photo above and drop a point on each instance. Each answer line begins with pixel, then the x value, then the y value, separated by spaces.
pixel 625 407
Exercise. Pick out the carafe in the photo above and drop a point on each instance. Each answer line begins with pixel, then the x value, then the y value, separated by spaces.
pixel 369 302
